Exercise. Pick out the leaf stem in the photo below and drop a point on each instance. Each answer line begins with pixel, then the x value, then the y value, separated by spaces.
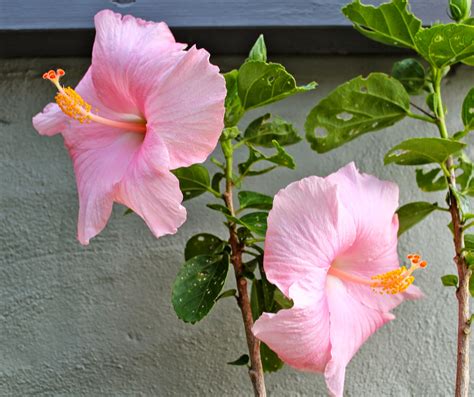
pixel 420 117
pixel 433 118
pixel 243 300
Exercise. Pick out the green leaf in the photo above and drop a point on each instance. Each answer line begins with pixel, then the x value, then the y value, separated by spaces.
pixel 193 181
pixel 390 23
pixel 463 204
pixel 444 45
pixel 465 180
pixel 270 360
pixel 471 287
pixel 468 110
pixel 255 200
pixel 227 294
pixel 469 241
pixel 203 244
pixel 418 151
pixel 411 74
pixel 233 107
pixel 256 222
pixel 281 158
pixel 261 83
pixel 410 214
pixel 359 106
pixel 128 211
pixel 197 286
pixel 219 208
pixel 450 280
pixel 430 181
pixel 242 360
pixel 216 181
pixel 263 131
pixel 258 51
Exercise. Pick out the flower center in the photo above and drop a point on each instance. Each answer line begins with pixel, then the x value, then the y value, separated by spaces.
pixel 72 104
pixel 392 282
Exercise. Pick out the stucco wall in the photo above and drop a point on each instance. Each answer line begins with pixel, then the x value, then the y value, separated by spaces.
pixel 97 320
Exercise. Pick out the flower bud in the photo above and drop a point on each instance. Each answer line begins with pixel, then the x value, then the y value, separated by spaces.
pixel 459 9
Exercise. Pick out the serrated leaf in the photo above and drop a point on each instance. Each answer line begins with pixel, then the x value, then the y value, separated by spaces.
pixel 255 200
pixel 467 113
pixel 193 180
pixel 242 360
pixel 258 51
pixel 263 130
pixel 430 181
pixel 261 83
pixel 450 280
pixel 233 107
pixel 390 23
pixel 411 74
pixel 411 214
pixel 445 45
pixel 203 244
pixel 418 151
pixel 359 106
pixel 197 285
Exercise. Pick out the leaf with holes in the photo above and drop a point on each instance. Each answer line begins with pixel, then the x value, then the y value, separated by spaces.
pixel 258 51
pixel 418 151
pixel 468 110
pixel 264 130
pixel 359 106
pixel 203 244
pixel 444 45
pixel 280 158
pixel 391 23
pixel 430 181
pixel 197 286
pixel 411 214
pixel 193 181
pixel 411 74
pixel 255 200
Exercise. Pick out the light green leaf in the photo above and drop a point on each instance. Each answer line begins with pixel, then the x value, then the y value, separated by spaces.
pixel 444 45
pixel 411 74
pixel 233 107
pixel 359 106
pixel 468 110
pixel 469 241
pixel 465 180
pixel 258 51
pixel 430 181
pixel 242 360
pixel 418 151
pixel 193 181
pixel 390 23
pixel 263 131
pixel 410 214
pixel 255 200
pixel 261 83
pixel 197 286
pixel 450 280
pixel 203 244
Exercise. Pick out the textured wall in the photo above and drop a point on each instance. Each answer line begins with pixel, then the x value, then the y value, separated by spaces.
pixel 97 321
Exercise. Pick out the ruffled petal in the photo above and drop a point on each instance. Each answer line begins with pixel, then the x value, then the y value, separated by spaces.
pixel 351 324
pixel 300 335
pixel 186 108
pixel 307 229
pixel 51 120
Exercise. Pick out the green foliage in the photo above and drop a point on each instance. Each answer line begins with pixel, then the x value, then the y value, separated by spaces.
pixel 390 23
pixel 450 280
pixel 411 74
pixel 359 106
pixel 203 244
pixel 411 214
pixel 467 113
pixel 264 130
pixel 466 180
pixel 255 200
pixel 197 286
pixel 459 10
pixel 242 360
pixel 256 222
pixel 233 108
pixel 431 181
pixel 230 293
pixel 193 181
pixel 258 51
pixel 418 151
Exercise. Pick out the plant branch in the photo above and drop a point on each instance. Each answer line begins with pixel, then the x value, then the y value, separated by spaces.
pixel 256 367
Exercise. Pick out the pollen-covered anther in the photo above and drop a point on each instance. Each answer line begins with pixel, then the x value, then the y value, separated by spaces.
pixel 72 104
pixel 398 280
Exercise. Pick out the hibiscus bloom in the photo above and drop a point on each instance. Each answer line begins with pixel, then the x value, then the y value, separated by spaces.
pixel 331 247
pixel 144 107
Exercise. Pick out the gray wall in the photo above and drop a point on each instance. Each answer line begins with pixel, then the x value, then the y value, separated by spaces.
pixel 97 321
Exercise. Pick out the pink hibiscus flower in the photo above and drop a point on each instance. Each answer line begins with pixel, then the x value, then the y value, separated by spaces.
pixel 144 107
pixel 331 247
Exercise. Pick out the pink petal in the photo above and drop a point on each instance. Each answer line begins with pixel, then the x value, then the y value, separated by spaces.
pixel 151 191
pixel 351 324
pixel 307 229
pixel 51 120
pixel 300 335
pixel 186 108
pixel 127 52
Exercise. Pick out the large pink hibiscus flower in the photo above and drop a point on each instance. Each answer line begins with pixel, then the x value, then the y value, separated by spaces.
pixel 331 247
pixel 144 107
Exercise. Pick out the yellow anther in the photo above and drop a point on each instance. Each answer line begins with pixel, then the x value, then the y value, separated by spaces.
pixel 72 104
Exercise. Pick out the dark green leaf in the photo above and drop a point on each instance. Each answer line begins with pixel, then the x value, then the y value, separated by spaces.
pixel 444 45
pixel 219 208
pixel 459 9
pixel 193 181
pixel 256 222
pixel 359 106
pixel 227 294
pixel 391 23
pixel 418 151
pixel 263 131
pixel 203 244
pixel 255 200
pixel 411 74
pixel 450 280
pixel 242 360
pixel 281 301
pixel 432 102
pixel 233 107
pixel 128 211
pixel 270 360
pixel 261 83
pixel 198 284
pixel 468 110
pixel 216 181
pixel 258 51
pixel 410 214
pixel 430 181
